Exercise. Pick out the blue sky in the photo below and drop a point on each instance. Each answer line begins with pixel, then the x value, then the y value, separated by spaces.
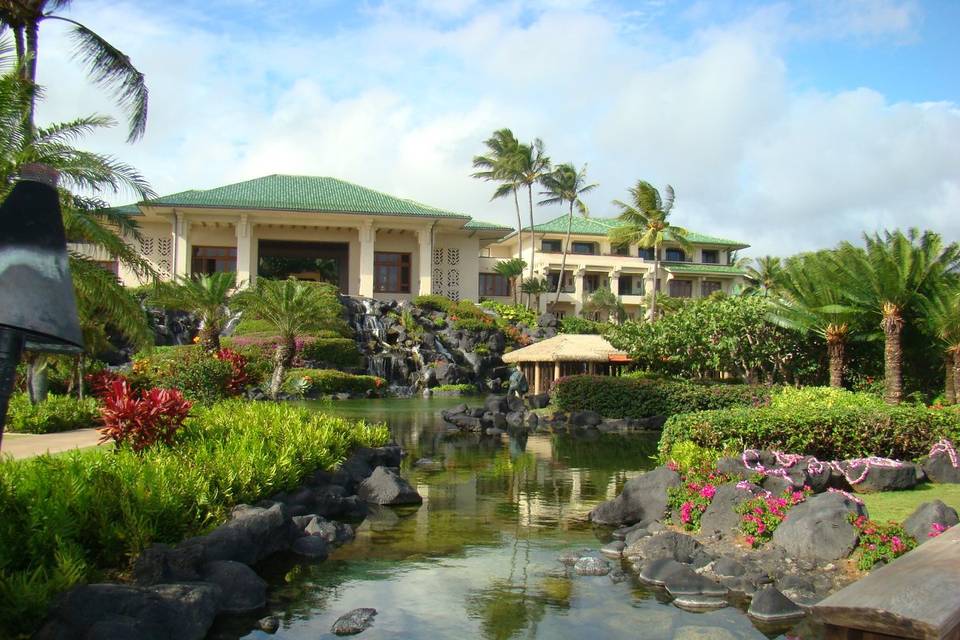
pixel 791 125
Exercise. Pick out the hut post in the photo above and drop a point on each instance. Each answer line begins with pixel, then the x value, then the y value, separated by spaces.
pixel 537 382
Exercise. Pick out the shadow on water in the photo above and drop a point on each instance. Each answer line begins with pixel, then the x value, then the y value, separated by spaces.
pixel 479 558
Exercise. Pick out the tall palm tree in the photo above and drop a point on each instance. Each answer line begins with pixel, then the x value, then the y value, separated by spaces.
pixel 293 308
pixel 890 280
pixel 942 315
pixel 532 165
pixel 765 276
pixel 106 65
pixel 566 184
pixel 645 221
pixel 207 296
pixel 502 164
pixel 534 288
pixel 511 269
pixel 812 302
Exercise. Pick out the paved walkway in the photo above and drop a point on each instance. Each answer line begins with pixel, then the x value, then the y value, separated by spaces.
pixel 24 445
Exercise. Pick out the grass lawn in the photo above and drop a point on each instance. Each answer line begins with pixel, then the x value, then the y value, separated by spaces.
pixel 898 505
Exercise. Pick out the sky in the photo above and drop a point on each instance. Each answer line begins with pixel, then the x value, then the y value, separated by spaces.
pixel 788 125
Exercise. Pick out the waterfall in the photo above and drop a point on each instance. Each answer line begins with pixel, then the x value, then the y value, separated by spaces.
pixel 231 323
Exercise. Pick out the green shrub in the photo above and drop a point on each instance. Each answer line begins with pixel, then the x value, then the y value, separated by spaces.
pixel 688 456
pixel 627 397
pixel 511 314
pixel 75 516
pixel 829 424
pixel 472 324
pixel 56 413
pixel 574 324
pixel 467 309
pixel 318 381
pixel 433 302
pixel 252 326
pixel 462 388
pixel 333 352
pixel 196 373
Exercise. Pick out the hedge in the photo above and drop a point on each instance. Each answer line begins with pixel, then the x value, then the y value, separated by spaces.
pixel 835 426
pixel 433 302
pixel 639 398
pixel 333 352
pixel 56 413
pixel 319 381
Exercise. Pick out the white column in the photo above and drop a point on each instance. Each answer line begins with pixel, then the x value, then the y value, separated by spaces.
pixel 614 279
pixel 246 274
pixel 426 261
pixel 181 244
pixel 368 234
pixel 578 294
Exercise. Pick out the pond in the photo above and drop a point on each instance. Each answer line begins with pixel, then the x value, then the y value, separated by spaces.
pixel 479 558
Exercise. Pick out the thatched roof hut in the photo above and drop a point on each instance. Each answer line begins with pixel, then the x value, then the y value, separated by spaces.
pixel 564 355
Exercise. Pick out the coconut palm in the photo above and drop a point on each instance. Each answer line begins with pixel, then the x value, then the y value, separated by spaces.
pixel 207 296
pixel 890 280
pixel 501 164
pixel 534 288
pixel 566 184
pixel 942 315
pixel 811 303
pixel 765 276
pixel 511 269
pixel 106 65
pixel 532 165
pixel 645 221
pixel 293 308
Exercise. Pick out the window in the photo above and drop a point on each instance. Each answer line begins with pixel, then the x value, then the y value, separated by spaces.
pixel 620 249
pixel 207 260
pixel 708 287
pixel 631 286
pixel 391 272
pixel 551 246
pixel 681 288
pixel 567 283
pixel 591 283
pixel 711 256
pixel 646 253
pixel 675 255
pixel 494 284
pixel 584 248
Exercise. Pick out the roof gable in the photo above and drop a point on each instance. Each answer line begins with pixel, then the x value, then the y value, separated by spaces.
pixel 603 226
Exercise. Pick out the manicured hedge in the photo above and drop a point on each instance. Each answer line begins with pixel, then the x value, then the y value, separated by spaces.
pixel 332 352
pixel 433 302
pixel 628 397
pixel 320 381
pixel 56 413
pixel 830 425
pixel 77 516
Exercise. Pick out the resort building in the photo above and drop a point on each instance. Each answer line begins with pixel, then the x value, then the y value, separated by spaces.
pixel 375 245
pixel 593 262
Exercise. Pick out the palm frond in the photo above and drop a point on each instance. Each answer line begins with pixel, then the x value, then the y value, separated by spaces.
pixel 101 299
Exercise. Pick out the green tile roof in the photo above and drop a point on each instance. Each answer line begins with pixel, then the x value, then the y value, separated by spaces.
pixel 129 209
pixel 602 226
pixel 302 193
pixel 480 225
pixel 696 267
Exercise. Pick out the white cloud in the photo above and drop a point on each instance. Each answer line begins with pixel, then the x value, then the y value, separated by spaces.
pixel 402 104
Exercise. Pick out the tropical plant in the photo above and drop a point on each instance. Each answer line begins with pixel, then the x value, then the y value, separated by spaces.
pixel 565 185
pixel 532 165
pixel 293 308
pixel 107 65
pixel 512 270
pixel 207 296
pixel 765 276
pixel 534 288
pixel 942 316
pixel 501 164
pixel 645 221
pixel 604 302
pixel 889 281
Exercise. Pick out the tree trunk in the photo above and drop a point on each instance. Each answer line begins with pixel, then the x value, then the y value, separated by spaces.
pixel 950 377
pixel 516 204
pixel 835 352
pixel 81 367
pixel 956 374
pixel 563 261
pixel 282 357
pixel 892 355
pixel 210 338
pixel 30 71
pixel 656 279
pixel 533 240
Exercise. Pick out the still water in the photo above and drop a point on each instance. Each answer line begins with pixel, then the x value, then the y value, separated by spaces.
pixel 479 558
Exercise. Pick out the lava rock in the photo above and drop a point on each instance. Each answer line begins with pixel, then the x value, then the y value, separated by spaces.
pixel 769 605
pixel 538 400
pixel 728 567
pixel 547 320
pixel 669 544
pixel 496 404
pixel 335 533
pixel 721 515
pixel 386 487
pixel 515 403
pixel 590 566
pixel 585 418
pixel 643 497
pixel 657 571
pixel 687 582
pixel 734 467
pixel 921 521
pixel 353 622
pixel 939 468
pixel 613 549
pixel 162 563
pixel 819 529
pixel 699 603
pixel 313 547
pixel 270 624
pixel 886 478
pixel 242 590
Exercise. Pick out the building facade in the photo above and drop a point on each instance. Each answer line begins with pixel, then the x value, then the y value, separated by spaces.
pixel 375 245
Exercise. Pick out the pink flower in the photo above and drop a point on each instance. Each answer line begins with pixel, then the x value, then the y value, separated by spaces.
pixel 936 529
pixel 708 491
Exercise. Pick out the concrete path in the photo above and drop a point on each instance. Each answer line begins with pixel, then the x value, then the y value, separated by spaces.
pixel 24 445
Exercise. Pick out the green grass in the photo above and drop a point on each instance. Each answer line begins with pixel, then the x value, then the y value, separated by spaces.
pixel 898 505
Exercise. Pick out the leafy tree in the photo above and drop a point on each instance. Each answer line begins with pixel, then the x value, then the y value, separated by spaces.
pixel 292 308
pixel 107 65
pixel 646 222
pixel 512 270
pixel 765 276
pixel 942 315
pixel 534 288
pixel 502 164
pixel 206 296
pixel 566 184
pixel 889 281
pixel 604 302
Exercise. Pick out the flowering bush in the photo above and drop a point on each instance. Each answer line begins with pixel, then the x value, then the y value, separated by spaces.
pixel 693 495
pixel 761 516
pixel 936 529
pixel 240 376
pixel 144 418
pixel 516 337
pixel 880 542
pixel 101 382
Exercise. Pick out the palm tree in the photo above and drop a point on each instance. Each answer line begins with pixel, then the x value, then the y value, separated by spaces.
pixel 645 222
pixel 813 303
pixel 604 302
pixel 501 164
pixel 107 65
pixel 566 184
pixel 765 276
pixel 534 288
pixel 942 314
pixel 532 166
pixel 293 308
pixel 511 269
pixel 206 296
pixel 890 280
